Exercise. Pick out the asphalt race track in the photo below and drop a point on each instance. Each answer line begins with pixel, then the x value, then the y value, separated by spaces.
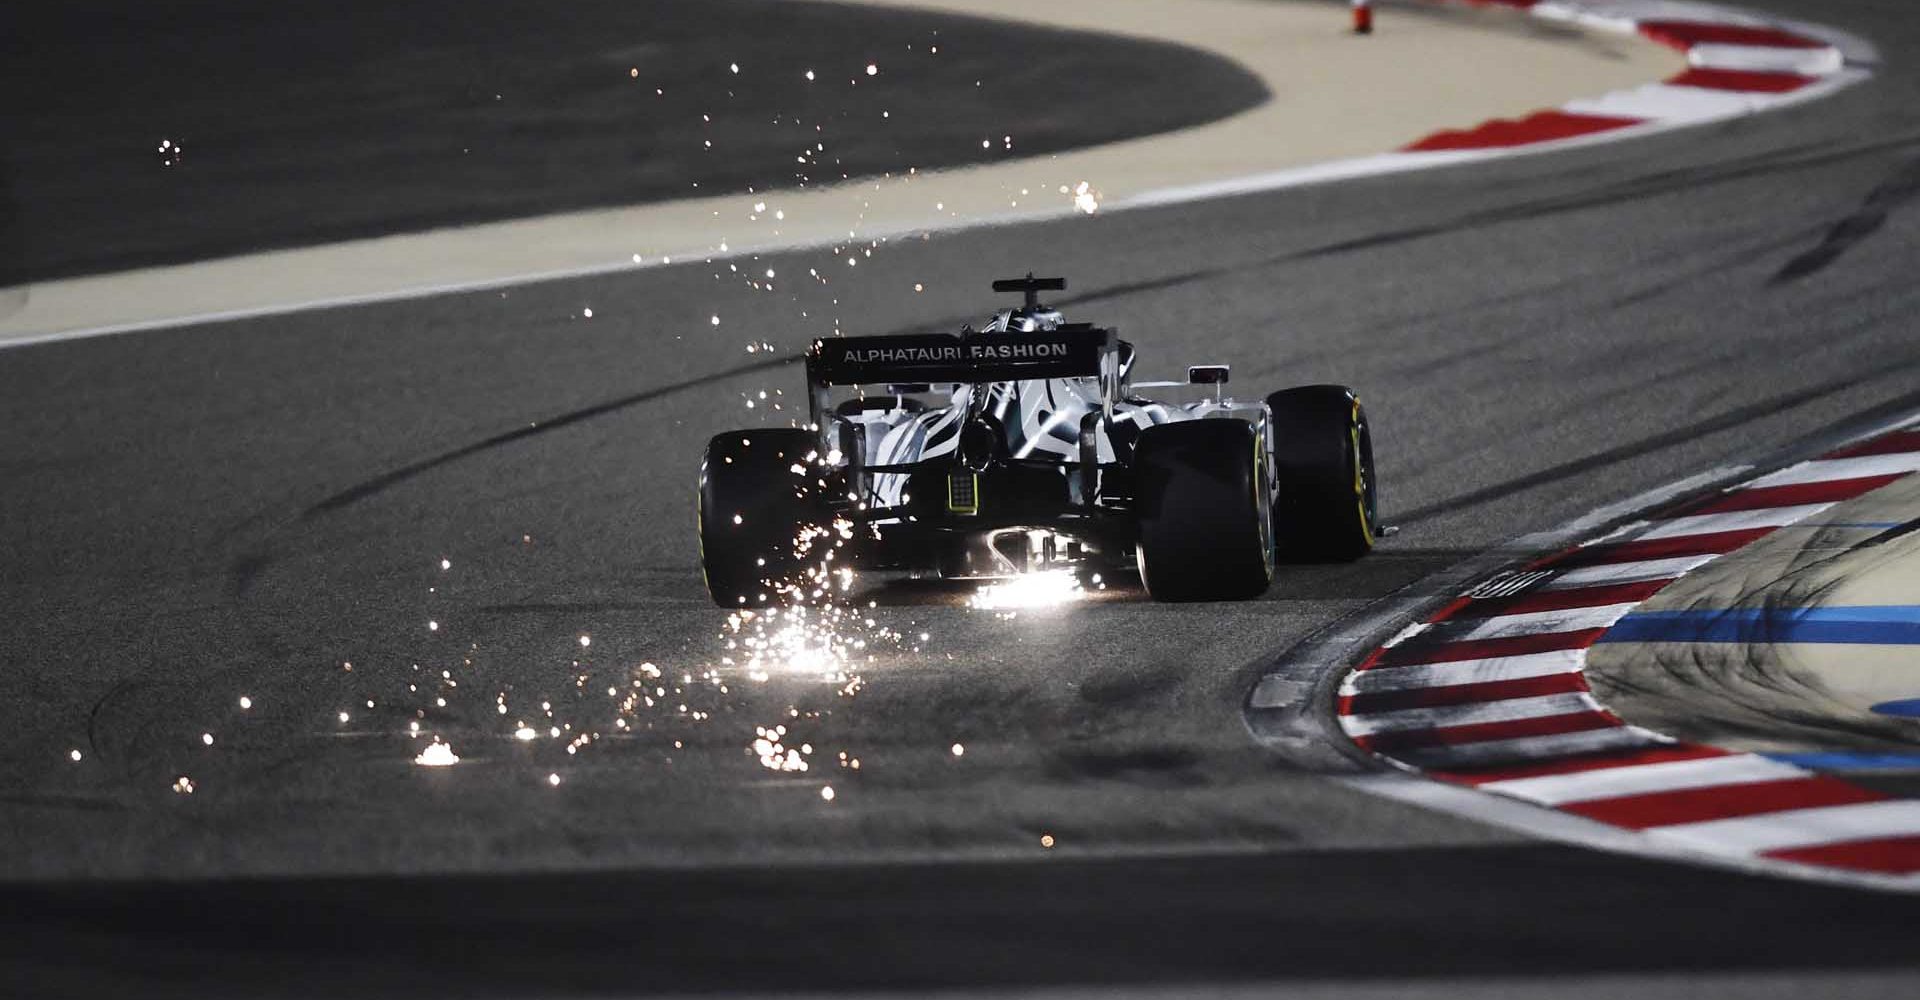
pixel 239 510
pixel 386 119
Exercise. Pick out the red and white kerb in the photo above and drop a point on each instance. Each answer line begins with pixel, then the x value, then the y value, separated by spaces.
pixel 1737 65
pixel 1489 692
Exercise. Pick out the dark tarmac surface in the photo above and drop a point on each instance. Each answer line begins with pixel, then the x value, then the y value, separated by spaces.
pixel 239 510
pixel 303 123
pixel 1372 920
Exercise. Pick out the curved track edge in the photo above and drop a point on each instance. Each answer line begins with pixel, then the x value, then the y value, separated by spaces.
pixel 1478 703
pixel 1768 64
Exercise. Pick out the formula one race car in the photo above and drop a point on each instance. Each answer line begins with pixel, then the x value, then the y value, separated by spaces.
pixel 1022 447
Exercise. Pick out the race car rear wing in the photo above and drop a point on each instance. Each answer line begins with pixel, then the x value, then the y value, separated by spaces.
pixel 1078 350
pixel 1068 352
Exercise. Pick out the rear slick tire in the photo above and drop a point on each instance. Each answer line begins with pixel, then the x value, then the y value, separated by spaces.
pixel 752 509
pixel 1326 502
pixel 1205 511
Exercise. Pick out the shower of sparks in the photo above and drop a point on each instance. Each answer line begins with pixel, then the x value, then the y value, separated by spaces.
pixel 1085 198
pixel 437 754
pixel 802 626
pixel 1046 589
pixel 776 755
pixel 830 642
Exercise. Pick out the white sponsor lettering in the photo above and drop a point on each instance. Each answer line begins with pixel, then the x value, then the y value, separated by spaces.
pixel 902 355
pixel 1021 351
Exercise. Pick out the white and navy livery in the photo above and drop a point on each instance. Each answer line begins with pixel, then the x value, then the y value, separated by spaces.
pixel 1026 444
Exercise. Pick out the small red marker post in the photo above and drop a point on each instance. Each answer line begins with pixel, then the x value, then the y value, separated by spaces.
pixel 1362 17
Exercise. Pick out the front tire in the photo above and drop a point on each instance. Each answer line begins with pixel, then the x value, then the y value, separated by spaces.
pixel 1205 512
pixel 1326 508
pixel 752 508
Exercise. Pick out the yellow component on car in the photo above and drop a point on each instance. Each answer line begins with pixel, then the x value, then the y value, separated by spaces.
pixel 963 493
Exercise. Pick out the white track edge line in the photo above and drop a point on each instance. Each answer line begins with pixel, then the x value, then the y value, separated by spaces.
pixel 1554 790
pixel 1371 166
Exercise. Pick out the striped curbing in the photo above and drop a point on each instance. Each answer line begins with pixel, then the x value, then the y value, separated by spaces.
pixel 1737 64
pixel 1489 692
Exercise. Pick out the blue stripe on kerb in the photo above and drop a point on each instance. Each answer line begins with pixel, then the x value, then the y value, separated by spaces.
pixel 1848 760
pixel 1878 625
